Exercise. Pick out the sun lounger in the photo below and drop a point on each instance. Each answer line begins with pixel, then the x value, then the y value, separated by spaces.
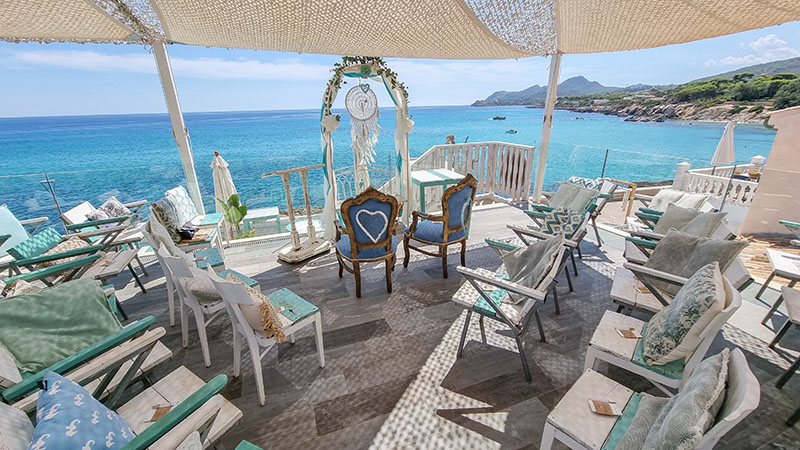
pixel 14 231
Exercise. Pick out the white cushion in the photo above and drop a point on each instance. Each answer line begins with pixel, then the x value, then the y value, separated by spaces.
pixel 9 374
pixel 16 430
pixel 694 201
pixel 664 197
pixel 79 214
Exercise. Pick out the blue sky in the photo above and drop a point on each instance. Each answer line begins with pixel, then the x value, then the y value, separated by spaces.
pixel 62 79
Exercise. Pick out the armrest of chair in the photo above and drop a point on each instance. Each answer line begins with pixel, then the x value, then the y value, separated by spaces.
pixel 102 231
pixel 34 223
pixel 60 255
pixel 490 278
pixel 500 244
pixel 539 207
pixel 538 214
pixel 647 198
pixel 30 383
pixel 646 234
pixel 96 223
pixel 605 195
pixel 653 212
pixel 134 206
pixel 642 242
pixel 340 230
pixel 53 270
pixel 637 270
pixel 177 414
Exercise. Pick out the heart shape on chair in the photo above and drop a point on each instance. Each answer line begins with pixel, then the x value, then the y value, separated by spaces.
pixel 373 238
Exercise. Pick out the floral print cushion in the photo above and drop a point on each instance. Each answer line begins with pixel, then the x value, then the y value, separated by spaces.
pixel 113 208
pixel 167 215
pixel 183 203
pixel 674 332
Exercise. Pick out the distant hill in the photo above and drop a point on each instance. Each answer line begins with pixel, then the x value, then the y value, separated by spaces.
pixel 771 68
pixel 580 86
pixel 571 87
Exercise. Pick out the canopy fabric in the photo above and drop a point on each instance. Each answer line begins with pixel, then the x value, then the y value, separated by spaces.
pixel 725 153
pixel 444 29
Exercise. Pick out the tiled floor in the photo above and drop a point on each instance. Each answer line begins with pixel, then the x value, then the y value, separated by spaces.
pixel 392 378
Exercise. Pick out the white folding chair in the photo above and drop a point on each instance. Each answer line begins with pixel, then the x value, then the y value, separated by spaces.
pixel 235 295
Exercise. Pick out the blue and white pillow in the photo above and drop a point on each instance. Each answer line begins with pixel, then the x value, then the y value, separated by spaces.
pixel 184 204
pixel 588 183
pixel 69 417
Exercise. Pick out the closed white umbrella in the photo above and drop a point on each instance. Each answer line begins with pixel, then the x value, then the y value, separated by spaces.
pixel 223 182
pixel 725 153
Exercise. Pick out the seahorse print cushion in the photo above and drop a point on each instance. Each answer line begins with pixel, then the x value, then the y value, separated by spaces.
pixel 67 416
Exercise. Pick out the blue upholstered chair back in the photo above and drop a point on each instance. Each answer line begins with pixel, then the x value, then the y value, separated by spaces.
pixel 370 218
pixel 371 221
pixel 457 204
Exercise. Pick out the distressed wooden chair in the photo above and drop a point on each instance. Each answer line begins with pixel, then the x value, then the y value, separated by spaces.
pixel 489 294
pixel 368 234
pixel 449 228
pixel 607 345
pixel 15 231
pixel 296 315
pixel 198 407
pixel 572 423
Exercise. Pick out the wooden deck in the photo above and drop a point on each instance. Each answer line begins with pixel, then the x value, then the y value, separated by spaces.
pixel 392 379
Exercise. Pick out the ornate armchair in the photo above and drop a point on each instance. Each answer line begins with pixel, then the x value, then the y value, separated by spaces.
pixel 447 229
pixel 370 220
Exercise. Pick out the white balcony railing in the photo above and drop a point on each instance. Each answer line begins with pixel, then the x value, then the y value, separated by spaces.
pixel 503 170
pixel 739 192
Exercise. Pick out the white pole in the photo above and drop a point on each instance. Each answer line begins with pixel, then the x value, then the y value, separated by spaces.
pixel 547 124
pixel 179 131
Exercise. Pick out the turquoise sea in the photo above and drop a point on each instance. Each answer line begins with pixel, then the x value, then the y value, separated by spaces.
pixel 134 157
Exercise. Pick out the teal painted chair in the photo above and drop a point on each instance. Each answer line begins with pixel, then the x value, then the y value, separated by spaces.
pixel 794 227
pixel 370 220
pixel 449 228
pixel 198 406
pixel 14 231
pixel 32 253
pixel 295 314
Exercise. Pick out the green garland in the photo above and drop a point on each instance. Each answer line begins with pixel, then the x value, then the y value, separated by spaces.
pixel 335 83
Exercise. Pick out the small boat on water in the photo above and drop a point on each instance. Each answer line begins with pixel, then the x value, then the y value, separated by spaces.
pixel 511 131
pixel 499 118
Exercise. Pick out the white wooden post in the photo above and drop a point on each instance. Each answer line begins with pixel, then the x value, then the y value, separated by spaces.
pixel 179 131
pixel 681 176
pixel 547 124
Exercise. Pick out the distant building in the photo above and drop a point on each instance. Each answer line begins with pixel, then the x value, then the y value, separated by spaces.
pixel 600 101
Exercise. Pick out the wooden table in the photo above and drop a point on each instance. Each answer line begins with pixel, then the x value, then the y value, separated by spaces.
pixel 433 177
pixel 112 264
pixel 786 265
pixel 261 215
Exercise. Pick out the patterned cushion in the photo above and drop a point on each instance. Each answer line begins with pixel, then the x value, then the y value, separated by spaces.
pixel 36 244
pixel 682 254
pixel 11 226
pixel 113 208
pixel 528 266
pixel 431 231
pixel 674 217
pixel 202 287
pixel 646 414
pixel 166 213
pixel 69 417
pixel 587 183
pixel 261 314
pixel 562 220
pixel 690 413
pixel 19 287
pixel 16 430
pixel 100 214
pixel 183 203
pixel 72 243
pixel 674 332
pixel 343 247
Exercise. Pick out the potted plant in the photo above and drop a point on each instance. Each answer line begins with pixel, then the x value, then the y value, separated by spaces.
pixel 234 214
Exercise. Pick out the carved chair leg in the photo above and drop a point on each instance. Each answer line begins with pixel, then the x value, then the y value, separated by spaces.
pixel 407 252
pixel 389 267
pixel 341 268
pixel 464 253
pixel 357 273
pixel 444 260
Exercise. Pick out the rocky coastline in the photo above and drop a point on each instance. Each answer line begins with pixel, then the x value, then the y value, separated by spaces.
pixel 639 112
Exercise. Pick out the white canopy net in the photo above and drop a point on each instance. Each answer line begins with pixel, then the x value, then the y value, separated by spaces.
pixel 458 29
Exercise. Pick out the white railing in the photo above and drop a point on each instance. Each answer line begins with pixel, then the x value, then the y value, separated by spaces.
pixel 503 170
pixel 351 181
pixel 739 192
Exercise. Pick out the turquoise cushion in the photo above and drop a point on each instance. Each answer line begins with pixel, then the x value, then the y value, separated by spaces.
pixel 11 226
pixel 623 423
pixel 430 231
pixel 343 247
pixel 36 244
pixel 295 308
pixel 69 417
pixel 209 256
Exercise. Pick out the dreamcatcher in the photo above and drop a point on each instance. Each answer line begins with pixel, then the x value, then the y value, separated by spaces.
pixel 362 104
